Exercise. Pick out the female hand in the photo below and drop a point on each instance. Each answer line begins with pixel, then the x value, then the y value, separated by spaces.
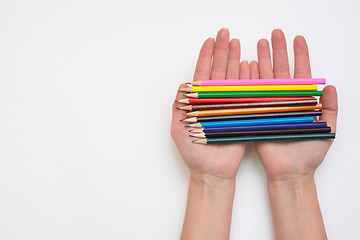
pixel 213 168
pixel 220 161
pixel 290 165
pixel 292 159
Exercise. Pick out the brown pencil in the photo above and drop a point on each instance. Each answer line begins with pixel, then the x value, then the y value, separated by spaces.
pixel 218 112
pixel 247 105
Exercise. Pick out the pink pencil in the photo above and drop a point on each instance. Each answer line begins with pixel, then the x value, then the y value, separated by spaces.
pixel 239 82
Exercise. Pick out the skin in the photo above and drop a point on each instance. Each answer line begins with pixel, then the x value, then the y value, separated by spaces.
pixel 289 165
pixel 212 168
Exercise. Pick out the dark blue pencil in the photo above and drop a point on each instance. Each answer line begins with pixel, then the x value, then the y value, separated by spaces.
pixel 251 122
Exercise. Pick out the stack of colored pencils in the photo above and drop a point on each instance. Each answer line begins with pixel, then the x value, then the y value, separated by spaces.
pixel 241 110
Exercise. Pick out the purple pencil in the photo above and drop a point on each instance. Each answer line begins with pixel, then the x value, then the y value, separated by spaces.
pixel 260 127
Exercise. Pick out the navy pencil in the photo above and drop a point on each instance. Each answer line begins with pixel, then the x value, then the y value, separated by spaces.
pixel 261 127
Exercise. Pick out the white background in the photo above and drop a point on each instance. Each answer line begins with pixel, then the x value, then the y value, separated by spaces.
pixel 86 89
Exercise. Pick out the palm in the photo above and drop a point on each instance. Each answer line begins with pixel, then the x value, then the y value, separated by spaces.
pixel 284 159
pixel 290 158
pixel 218 59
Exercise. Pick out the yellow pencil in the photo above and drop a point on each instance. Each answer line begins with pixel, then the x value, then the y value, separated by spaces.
pixel 250 88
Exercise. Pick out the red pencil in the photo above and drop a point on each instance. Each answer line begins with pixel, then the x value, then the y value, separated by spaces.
pixel 239 100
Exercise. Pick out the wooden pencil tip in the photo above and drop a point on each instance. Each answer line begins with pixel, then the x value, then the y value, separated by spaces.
pixel 201 141
pixel 198 130
pixel 185 89
pixel 186 100
pixel 192 95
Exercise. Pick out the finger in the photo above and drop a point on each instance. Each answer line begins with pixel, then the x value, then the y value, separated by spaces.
pixel 280 56
pixel 302 60
pixel 263 52
pixel 232 71
pixel 244 70
pixel 220 58
pixel 254 70
pixel 329 107
pixel 203 65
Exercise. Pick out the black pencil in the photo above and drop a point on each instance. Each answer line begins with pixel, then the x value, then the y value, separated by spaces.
pixel 262 132
pixel 249 104
pixel 283 137
pixel 253 116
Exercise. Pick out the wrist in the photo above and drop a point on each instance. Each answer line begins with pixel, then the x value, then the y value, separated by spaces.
pixel 209 207
pixel 295 208
pixel 290 184
pixel 211 181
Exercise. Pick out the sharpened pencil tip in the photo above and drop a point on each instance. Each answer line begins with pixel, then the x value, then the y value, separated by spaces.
pixel 188 83
pixel 187 125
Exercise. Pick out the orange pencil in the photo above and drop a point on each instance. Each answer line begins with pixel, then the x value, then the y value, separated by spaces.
pixel 219 112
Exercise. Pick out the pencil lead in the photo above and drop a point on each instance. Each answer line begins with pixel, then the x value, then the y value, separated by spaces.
pixel 188 83
pixel 187 126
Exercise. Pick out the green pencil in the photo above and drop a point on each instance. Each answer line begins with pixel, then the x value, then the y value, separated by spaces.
pixel 253 94
pixel 305 136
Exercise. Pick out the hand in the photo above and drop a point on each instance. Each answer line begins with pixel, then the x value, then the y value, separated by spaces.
pixel 220 161
pixel 213 168
pixel 293 159
pixel 290 165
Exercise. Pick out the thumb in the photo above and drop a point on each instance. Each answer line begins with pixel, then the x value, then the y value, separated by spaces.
pixel 329 107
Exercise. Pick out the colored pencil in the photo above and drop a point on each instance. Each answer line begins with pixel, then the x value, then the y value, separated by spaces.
pixel 217 112
pixel 260 127
pixel 238 100
pixel 253 94
pixel 285 137
pixel 262 132
pixel 253 116
pixel 250 88
pixel 249 122
pixel 229 82
pixel 245 105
